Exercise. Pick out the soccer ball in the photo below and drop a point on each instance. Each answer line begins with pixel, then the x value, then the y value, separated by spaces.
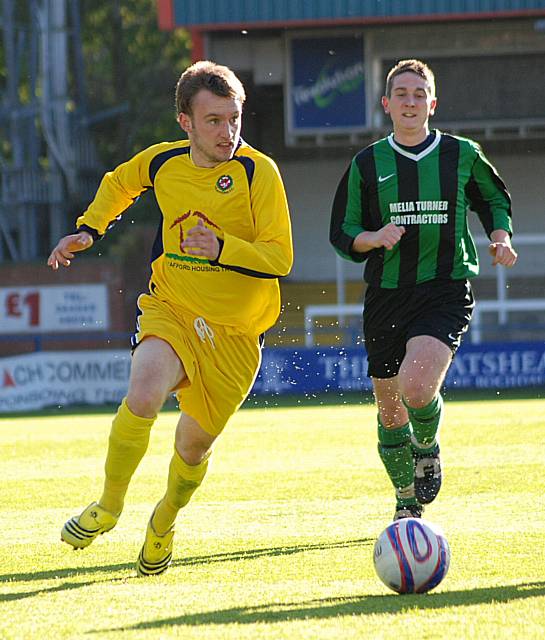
pixel 411 556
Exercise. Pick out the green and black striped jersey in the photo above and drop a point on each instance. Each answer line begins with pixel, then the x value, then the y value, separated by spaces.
pixel 429 194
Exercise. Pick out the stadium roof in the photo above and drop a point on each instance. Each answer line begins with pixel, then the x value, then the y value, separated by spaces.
pixel 209 15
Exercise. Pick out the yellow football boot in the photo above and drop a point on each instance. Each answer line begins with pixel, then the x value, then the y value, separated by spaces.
pixel 156 554
pixel 93 521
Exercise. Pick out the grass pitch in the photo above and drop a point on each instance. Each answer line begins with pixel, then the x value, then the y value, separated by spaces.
pixel 278 541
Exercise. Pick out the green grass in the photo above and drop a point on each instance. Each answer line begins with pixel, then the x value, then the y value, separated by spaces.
pixel 278 541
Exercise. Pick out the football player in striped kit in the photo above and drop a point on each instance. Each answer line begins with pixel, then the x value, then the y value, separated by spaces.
pixel 401 207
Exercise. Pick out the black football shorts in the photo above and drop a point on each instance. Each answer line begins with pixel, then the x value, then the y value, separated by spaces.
pixel 391 317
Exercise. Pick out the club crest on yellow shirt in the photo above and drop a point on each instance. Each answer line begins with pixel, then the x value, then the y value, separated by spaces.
pixel 224 184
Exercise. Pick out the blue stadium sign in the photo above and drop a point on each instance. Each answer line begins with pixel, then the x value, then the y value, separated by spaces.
pixel 326 85
pixel 36 380
pixel 333 369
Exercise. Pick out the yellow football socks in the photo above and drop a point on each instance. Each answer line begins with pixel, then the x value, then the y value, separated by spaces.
pixel 129 438
pixel 183 481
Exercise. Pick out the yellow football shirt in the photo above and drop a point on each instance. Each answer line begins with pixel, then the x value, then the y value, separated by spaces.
pixel 242 200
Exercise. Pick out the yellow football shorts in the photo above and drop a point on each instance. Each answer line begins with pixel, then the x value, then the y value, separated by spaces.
pixel 221 366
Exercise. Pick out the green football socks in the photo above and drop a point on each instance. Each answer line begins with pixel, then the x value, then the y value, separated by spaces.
pixel 394 447
pixel 183 481
pixel 425 423
pixel 128 442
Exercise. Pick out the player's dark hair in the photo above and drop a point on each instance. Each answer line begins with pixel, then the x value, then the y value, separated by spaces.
pixel 412 66
pixel 216 78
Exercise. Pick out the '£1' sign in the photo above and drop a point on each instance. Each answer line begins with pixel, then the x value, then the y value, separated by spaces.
pixel 16 303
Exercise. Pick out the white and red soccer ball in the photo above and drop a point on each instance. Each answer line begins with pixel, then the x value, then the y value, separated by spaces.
pixel 411 556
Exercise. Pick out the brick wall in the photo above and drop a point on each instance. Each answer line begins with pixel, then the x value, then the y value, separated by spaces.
pixel 82 271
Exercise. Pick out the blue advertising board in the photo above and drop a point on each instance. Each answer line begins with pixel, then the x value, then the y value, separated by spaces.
pixel 60 378
pixel 326 84
pixel 329 369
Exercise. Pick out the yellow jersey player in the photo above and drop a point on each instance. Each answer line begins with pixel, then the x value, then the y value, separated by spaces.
pixel 224 240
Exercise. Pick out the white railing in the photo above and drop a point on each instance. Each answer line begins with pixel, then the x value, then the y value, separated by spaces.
pixel 501 305
pixel 502 308
pixel 324 310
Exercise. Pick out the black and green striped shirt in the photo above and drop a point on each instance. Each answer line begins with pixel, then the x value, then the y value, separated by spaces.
pixel 429 194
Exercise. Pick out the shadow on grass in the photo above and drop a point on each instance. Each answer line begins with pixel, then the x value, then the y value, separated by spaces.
pixel 348 606
pixel 65 586
pixel 233 556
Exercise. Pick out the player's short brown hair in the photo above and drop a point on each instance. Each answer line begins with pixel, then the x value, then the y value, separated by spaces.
pixel 218 79
pixel 412 66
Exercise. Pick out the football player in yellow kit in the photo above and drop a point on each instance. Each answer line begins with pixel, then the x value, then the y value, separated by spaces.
pixel 224 241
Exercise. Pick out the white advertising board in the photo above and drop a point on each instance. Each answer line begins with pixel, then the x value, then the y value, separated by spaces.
pixel 82 307
pixel 59 378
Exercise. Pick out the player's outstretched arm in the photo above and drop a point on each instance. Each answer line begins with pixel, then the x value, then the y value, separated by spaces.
pixel 387 237
pixel 501 250
pixel 63 253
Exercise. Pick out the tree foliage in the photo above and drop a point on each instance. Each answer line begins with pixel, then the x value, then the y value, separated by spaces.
pixel 130 64
pixel 129 61
pixel 122 71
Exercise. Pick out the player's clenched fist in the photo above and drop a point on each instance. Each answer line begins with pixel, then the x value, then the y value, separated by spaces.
pixel 67 246
pixel 386 237
pixel 503 253
pixel 201 241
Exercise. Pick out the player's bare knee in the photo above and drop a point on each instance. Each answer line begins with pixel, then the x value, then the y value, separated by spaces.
pixel 193 453
pixel 145 402
pixel 417 393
